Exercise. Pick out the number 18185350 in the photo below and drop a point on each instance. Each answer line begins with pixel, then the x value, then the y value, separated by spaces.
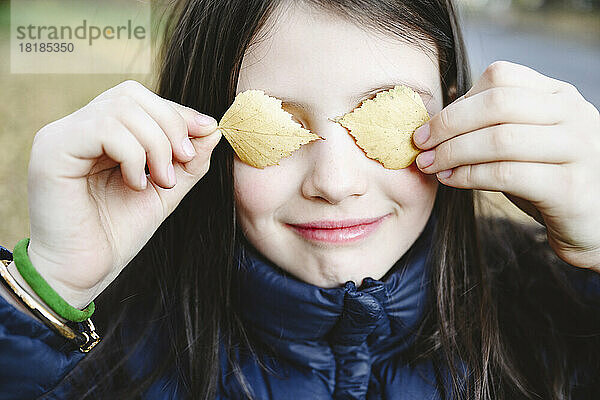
pixel 46 47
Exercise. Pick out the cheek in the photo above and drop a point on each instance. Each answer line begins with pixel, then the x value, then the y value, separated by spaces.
pixel 259 192
pixel 411 187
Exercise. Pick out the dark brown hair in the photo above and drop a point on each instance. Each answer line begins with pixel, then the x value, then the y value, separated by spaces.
pixel 503 308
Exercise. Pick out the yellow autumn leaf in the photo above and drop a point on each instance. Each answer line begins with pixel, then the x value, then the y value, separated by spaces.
pixel 260 131
pixel 383 126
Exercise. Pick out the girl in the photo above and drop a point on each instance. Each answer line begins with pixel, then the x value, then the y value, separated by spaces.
pixel 326 276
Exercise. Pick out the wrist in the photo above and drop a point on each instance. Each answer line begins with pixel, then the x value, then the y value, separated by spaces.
pixel 74 297
pixel 592 261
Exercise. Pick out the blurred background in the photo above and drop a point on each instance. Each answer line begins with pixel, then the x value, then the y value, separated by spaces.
pixel 559 38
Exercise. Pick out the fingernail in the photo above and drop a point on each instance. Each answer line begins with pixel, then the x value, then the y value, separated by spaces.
pixel 421 134
pixel 444 174
pixel 188 147
pixel 205 120
pixel 143 180
pixel 171 174
pixel 425 159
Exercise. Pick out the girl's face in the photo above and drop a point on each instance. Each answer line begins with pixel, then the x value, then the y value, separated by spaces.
pixel 321 67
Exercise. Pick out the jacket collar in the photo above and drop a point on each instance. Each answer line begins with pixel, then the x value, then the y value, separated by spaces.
pixel 279 308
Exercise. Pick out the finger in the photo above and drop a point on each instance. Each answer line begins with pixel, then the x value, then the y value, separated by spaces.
pixel 105 136
pixel 491 107
pixel 173 116
pixel 504 142
pixel 177 121
pixel 152 138
pixel 508 74
pixel 199 124
pixel 535 182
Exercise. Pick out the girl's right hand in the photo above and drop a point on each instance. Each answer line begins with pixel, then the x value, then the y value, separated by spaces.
pixel 90 212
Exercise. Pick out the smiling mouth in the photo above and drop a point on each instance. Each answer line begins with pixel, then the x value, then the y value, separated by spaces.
pixel 341 231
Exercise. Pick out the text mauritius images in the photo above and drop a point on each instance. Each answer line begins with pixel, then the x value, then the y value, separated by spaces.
pixel 83 31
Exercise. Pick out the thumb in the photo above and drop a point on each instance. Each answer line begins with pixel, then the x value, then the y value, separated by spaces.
pixel 189 173
pixel 204 135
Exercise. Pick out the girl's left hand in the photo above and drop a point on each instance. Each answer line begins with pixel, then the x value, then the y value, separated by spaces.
pixel 533 138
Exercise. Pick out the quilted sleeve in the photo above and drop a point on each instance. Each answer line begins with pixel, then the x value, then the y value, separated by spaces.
pixel 33 358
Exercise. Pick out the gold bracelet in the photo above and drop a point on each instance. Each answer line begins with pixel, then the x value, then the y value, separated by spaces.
pixel 85 339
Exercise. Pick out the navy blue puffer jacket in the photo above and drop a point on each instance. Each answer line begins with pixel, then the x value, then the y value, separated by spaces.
pixel 344 342
pixel 341 343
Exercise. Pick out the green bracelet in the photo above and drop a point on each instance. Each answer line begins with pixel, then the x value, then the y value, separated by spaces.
pixel 42 289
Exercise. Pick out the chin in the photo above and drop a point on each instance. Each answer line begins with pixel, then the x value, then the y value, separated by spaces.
pixel 336 276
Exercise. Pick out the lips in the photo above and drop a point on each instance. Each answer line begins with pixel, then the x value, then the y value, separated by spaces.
pixel 338 231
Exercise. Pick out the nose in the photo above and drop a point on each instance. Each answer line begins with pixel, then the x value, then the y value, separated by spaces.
pixel 338 166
